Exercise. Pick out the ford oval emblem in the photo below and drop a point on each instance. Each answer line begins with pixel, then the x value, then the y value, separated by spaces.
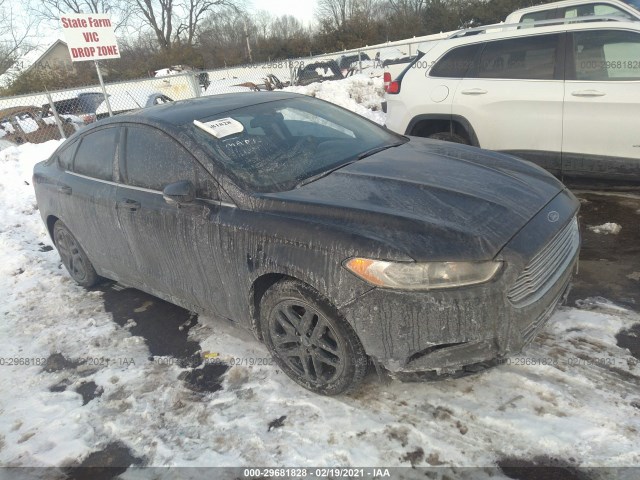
pixel 553 216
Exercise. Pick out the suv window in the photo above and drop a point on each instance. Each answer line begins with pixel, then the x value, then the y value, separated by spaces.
pixel 456 63
pixel 606 55
pixel 537 16
pixel 96 153
pixel 592 9
pixel 576 11
pixel 520 58
pixel 153 160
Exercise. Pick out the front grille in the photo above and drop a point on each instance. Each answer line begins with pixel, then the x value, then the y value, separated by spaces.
pixel 546 266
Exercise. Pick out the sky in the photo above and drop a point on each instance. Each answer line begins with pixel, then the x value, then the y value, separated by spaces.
pixel 301 9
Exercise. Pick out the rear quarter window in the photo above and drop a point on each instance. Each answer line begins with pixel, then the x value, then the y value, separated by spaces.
pixel 456 63
pixel 65 157
pixel 96 153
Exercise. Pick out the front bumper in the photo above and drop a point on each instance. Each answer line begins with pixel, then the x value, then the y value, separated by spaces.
pixel 445 330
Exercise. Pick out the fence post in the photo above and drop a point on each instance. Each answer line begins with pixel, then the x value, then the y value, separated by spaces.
pixel 104 90
pixel 290 72
pixel 359 62
pixel 193 81
pixel 55 115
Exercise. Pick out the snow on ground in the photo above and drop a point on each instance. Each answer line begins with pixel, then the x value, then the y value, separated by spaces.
pixel 571 395
pixel 606 228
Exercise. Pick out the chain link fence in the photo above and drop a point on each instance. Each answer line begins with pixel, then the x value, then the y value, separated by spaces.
pixel 37 118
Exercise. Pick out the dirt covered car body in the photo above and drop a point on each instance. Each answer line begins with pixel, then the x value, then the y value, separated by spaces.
pixel 331 238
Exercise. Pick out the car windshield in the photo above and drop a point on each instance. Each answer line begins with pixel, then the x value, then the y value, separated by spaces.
pixel 279 145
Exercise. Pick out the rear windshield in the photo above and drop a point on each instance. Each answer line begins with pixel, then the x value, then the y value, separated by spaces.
pixel 275 146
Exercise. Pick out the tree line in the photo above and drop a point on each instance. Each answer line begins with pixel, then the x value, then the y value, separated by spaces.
pixel 207 34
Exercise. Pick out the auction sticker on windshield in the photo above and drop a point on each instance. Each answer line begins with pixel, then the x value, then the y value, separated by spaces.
pixel 221 128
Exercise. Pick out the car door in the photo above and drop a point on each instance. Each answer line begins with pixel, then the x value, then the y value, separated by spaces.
pixel 174 247
pixel 601 138
pixel 513 98
pixel 86 194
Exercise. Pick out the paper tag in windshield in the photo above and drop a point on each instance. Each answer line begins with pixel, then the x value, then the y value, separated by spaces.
pixel 221 128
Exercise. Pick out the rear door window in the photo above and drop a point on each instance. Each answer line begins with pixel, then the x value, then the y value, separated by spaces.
pixel 520 58
pixel 96 153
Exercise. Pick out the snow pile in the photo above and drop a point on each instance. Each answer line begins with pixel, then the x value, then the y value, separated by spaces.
pixel 359 93
pixel 602 303
pixel 606 228
pixel 164 72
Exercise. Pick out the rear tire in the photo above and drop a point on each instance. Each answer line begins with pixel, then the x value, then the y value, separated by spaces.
pixel 309 340
pixel 73 256
pixel 449 137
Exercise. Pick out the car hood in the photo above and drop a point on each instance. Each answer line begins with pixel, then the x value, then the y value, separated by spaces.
pixel 426 199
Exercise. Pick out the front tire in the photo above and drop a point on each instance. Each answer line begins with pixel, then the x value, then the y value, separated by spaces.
pixel 309 340
pixel 73 256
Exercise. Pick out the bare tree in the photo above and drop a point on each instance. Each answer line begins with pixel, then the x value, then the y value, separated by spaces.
pixel 406 8
pixel 173 21
pixel 335 11
pixel 16 41
pixel 262 21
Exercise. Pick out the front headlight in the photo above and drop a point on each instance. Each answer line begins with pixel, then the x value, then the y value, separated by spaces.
pixel 421 276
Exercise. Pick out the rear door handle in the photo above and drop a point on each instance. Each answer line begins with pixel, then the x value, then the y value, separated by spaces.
pixel 128 204
pixel 474 91
pixel 65 189
pixel 588 93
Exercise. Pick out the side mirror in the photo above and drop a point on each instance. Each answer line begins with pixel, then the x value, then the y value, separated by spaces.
pixel 179 192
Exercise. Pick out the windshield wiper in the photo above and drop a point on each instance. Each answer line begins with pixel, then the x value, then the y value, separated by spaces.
pixel 375 150
pixel 320 175
pixel 365 154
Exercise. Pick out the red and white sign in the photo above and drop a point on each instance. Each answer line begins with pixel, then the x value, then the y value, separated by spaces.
pixel 90 36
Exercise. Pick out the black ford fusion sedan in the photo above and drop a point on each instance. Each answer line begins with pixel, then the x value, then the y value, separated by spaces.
pixel 334 240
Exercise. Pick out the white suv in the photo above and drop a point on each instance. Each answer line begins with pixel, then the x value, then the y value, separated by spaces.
pixel 565 96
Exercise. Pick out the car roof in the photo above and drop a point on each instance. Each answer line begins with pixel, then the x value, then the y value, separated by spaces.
pixel 497 32
pixel 185 111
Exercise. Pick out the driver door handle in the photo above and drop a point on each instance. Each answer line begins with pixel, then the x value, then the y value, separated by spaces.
pixel 128 204
pixel 588 93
